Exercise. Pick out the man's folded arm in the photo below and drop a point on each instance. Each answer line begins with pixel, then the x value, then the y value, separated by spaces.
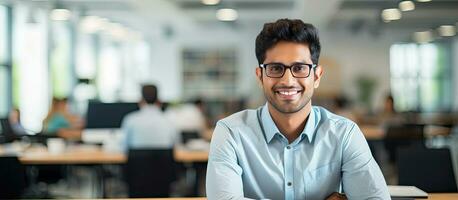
pixel 224 175
pixel 361 176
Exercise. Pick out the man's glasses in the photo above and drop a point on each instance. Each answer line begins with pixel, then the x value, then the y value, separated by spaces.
pixel 298 70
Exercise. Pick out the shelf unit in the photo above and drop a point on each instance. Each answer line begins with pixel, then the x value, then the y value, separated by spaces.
pixel 209 73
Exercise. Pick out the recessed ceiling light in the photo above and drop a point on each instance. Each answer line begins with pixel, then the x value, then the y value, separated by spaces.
pixel 447 30
pixel 406 5
pixel 210 2
pixel 60 14
pixel 423 36
pixel 423 0
pixel 391 14
pixel 226 14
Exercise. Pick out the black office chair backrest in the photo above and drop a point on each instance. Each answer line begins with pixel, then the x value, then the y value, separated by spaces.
pixel 7 131
pixel 12 178
pixel 189 135
pixel 428 169
pixel 149 172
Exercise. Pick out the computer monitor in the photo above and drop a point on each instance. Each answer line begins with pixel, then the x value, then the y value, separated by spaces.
pixel 107 115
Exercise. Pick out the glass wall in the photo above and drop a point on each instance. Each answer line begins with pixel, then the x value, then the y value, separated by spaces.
pixel 109 71
pixel 31 93
pixel 52 58
pixel 60 59
pixel 3 62
pixel 421 78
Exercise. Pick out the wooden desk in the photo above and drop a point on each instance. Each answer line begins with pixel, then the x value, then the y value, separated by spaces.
pixel 436 196
pixel 443 196
pixel 77 155
pixel 95 155
pixel 373 132
pixel 181 154
pixel 177 198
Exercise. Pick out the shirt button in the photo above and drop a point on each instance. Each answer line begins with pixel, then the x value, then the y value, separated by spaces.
pixel 289 183
pixel 288 147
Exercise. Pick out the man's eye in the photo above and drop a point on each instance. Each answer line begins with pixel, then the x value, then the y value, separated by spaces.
pixel 299 68
pixel 276 68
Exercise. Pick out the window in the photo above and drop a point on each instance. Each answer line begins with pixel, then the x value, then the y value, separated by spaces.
pixel 3 33
pixel 109 71
pixel 4 83
pixel 61 66
pixel 136 69
pixel 3 91
pixel 30 67
pixel 421 78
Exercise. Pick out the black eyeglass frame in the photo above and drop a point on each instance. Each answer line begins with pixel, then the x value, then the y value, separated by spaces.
pixel 311 66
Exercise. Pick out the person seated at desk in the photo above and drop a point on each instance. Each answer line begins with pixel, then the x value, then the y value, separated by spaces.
pixel 14 119
pixel 289 149
pixel 60 122
pixel 149 128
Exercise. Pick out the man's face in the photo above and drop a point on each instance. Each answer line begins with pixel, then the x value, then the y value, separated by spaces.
pixel 289 94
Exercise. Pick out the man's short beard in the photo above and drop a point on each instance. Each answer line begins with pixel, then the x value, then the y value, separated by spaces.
pixel 279 109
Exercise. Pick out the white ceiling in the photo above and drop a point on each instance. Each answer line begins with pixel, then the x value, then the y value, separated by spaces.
pixel 353 15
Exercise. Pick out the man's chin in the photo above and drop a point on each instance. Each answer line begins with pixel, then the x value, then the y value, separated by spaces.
pixel 287 109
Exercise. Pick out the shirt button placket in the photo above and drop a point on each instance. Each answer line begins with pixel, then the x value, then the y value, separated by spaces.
pixel 289 189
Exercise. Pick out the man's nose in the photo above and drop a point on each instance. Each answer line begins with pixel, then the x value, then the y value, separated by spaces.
pixel 288 77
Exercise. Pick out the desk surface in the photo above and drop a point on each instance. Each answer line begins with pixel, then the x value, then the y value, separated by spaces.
pixel 76 155
pixel 83 154
pixel 437 196
pixel 443 196
pixel 182 154
pixel 373 132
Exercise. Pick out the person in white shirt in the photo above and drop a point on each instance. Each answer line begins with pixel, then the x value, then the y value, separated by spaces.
pixel 148 128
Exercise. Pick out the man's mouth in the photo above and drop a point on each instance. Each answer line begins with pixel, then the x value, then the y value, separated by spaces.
pixel 288 94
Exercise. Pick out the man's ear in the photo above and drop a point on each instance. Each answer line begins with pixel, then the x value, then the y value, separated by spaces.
pixel 317 76
pixel 259 76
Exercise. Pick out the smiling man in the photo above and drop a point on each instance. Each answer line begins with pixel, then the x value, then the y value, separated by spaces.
pixel 289 149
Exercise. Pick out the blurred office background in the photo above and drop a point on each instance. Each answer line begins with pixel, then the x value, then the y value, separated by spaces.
pixel 389 65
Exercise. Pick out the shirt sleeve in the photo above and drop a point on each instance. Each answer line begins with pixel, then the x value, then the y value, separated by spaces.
pixel 361 176
pixel 224 175
pixel 125 134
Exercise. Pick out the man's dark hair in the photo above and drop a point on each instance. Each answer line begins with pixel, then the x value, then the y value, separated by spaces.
pixel 149 94
pixel 290 30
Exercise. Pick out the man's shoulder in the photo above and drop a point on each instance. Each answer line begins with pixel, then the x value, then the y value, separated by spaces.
pixel 246 117
pixel 327 117
pixel 132 116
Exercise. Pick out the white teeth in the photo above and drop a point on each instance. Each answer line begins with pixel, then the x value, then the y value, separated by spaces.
pixel 288 92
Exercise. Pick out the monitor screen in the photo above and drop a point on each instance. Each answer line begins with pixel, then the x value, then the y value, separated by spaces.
pixel 107 115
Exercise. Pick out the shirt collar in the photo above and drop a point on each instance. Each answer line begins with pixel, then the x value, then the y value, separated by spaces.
pixel 270 129
pixel 149 107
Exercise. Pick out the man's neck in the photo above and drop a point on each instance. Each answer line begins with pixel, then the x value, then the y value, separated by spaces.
pixel 290 125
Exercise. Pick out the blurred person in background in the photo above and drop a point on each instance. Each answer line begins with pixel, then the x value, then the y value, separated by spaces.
pixel 190 120
pixel 61 122
pixel 342 108
pixel 149 127
pixel 289 149
pixel 14 118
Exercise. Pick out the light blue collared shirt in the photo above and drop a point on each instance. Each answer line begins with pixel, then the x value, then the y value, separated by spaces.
pixel 148 128
pixel 250 158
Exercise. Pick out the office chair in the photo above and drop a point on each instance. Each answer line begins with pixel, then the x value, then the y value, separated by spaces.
pixel 13 178
pixel 7 131
pixel 149 172
pixel 189 135
pixel 399 136
pixel 428 169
